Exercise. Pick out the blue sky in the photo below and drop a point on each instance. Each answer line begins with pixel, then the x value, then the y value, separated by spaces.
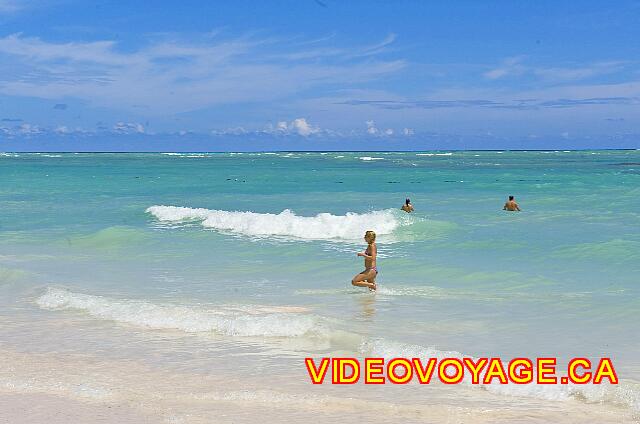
pixel 318 74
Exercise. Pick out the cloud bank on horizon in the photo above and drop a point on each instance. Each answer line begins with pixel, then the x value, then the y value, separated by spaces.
pixel 296 73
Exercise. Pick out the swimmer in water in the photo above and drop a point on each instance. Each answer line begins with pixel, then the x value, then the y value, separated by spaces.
pixel 407 207
pixel 367 278
pixel 511 205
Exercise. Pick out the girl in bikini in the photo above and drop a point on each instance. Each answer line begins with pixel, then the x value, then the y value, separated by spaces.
pixel 367 278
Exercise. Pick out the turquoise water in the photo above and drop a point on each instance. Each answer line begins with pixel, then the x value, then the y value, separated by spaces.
pixel 254 262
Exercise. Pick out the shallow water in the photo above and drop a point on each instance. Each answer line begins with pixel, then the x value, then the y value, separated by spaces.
pixel 221 264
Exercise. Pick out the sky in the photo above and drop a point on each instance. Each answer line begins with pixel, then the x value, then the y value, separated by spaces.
pixel 318 75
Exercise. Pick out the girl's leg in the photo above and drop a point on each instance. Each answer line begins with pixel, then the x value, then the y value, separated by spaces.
pixel 362 280
pixel 372 281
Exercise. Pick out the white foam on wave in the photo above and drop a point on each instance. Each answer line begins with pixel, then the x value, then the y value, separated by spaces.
pixel 369 158
pixel 247 321
pixel 434 154
pixel 384 290
pixel 432 292
pixel 293 323
pixel 323 226
pixel 624 394
pixel 187 155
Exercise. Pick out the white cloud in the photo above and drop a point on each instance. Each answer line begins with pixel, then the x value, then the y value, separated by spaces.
pixel 578 73
pixel 514 66
pixel 128 128
pixel 346 52
pixel 24 129
pixel 10 6
pixel 230 131
pixel 172 77
pixel 371 128
pixel 510 66
pixel 64 130
pixel 298 126
pixel 408 131
pixel 29 129
pixel 302 127
pixel 496 73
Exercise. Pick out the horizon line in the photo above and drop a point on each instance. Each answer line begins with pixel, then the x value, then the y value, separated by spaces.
pixel 321 151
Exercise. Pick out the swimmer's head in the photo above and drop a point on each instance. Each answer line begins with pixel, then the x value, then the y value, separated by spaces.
pixel 510 197
pixel 407 201
pixel 370 236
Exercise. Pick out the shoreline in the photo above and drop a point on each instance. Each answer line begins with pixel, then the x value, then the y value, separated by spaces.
pixel 129 392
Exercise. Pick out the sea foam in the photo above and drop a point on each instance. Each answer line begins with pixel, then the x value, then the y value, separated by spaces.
pixel 323 226
pixel 626 393
pixel 256 321
pixel 229 321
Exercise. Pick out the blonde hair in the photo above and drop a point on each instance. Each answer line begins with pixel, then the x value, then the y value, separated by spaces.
pixel 370 235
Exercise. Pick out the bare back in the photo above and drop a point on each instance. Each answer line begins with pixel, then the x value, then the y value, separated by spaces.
pixel 511 206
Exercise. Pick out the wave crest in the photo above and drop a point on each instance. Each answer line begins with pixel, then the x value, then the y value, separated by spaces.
pixel 229 321
pixel 323 226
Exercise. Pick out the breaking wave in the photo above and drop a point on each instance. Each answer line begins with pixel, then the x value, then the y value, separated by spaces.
pixel 248 321
pixel 296 323
pixel 323 226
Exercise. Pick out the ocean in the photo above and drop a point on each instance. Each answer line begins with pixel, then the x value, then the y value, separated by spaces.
pixel 191 286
